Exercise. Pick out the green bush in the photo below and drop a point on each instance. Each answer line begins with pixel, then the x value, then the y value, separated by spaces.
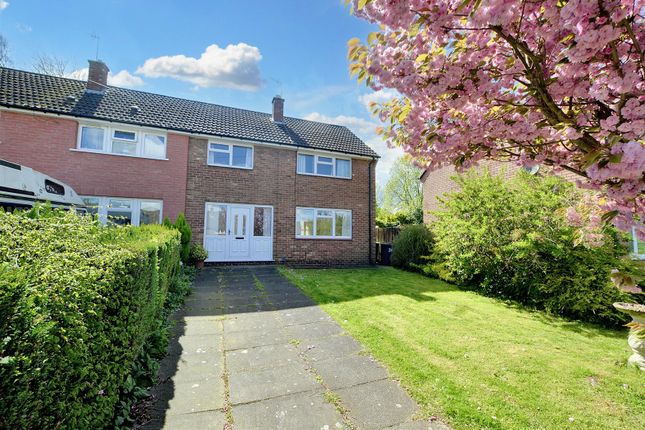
pixel 509 238
pixel 78 303
pixel 198 253
pixel 186 236
pixel 411 245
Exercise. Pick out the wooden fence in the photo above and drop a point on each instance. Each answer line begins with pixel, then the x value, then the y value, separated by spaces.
pixel 387 235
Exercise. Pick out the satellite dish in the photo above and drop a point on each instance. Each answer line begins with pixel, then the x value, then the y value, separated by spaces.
pixel 532 170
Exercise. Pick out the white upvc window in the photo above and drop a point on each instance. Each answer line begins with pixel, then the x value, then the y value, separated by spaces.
pixel 123 210
pixel 118 140
pixel 324 165
pixel 318 223
pixel 230 155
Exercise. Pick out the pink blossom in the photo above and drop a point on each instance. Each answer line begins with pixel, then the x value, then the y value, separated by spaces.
pixel 580 98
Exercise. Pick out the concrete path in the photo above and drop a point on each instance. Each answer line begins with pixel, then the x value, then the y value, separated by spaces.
pixel 251 351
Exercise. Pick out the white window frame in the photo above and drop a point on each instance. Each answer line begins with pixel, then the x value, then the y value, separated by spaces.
pixel 108 137
pixel 333 224
pixel 135 207
pixel 333 165
pixel 230 154
pixel 635 252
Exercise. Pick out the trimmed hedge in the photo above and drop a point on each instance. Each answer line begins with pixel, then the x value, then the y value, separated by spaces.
pixel 509 238
pixel 78 302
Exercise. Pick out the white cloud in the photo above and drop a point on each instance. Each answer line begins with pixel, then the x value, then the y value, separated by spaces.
pixel 120 79
pixel 124 79
pixel 23 28
pixel 235 66
pixel 379 96
pixel 366 130
pixel 3 4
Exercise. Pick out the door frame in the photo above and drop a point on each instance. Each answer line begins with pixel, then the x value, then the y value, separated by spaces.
pixel 251 239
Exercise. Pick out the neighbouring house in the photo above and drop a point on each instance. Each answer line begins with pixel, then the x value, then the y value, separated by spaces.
pixel 254 186
pixel 437 183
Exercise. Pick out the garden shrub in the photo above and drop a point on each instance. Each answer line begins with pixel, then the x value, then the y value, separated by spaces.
pixel 186 236
pixel 411 245
pixel 78 303
pixel 509 238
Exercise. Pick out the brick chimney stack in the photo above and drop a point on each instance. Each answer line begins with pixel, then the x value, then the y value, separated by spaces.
pixel 97 76
pixel 278 109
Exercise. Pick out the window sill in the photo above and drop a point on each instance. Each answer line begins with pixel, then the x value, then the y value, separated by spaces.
pixel 87 151
pixel 324 176
pixel 229 167
pixel 322 238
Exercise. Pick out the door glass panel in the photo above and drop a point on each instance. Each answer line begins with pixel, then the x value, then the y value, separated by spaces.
pixel 216 220
pixel 236 218
pixel 262 222
pixel 243 225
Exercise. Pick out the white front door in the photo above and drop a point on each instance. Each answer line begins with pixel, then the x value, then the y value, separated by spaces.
pixel 234 232
pixel 239 232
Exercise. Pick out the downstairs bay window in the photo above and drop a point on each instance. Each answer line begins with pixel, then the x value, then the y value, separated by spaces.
pixel 318 223
pixel 123 211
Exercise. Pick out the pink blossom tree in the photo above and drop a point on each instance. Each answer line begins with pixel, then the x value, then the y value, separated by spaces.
pixel 553 82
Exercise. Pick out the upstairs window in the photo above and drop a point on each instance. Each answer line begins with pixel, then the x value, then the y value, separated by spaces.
pixel 122 141
pixel 322 165
pixel 227 155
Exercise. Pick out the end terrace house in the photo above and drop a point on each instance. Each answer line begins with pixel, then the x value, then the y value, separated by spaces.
pixel 254 186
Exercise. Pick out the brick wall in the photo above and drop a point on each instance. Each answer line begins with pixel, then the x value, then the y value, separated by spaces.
pixel 43 143
pixel 273 181
pixel 437 183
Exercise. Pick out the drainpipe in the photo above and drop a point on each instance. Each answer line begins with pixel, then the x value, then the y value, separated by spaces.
pixel 369 209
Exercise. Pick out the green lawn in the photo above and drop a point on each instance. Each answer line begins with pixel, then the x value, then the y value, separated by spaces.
pixel 477 362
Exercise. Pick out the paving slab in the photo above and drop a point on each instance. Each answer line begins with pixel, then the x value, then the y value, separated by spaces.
pixel 349 371
pixel 195 372
pixel 258 321
pixel 313 330
pixel 304 411
pixel 249 386
pixel 207 344
pixel 198 327
pixel 330 347
pixel 420 425
pixel 378 404
pixel 189 397
pixel 199 420
pixel 304 315
pixel 251 338
pixel 262 357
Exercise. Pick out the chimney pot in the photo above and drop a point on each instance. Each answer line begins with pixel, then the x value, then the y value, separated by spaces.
pixel 278 109
pixel 97 76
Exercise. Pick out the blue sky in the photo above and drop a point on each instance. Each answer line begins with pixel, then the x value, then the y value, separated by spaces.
pixel 227 52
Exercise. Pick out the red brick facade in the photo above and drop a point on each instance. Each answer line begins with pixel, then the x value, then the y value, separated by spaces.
pixel 185 183
pixel 47 143
pixel 273 181
pixel 437 183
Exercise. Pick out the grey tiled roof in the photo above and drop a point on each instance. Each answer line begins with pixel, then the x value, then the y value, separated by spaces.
pixel 34 91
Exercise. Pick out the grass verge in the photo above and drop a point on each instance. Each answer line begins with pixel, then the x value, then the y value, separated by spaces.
pixel 478 362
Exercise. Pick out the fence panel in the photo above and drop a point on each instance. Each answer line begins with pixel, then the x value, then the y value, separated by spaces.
pixel 387 234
